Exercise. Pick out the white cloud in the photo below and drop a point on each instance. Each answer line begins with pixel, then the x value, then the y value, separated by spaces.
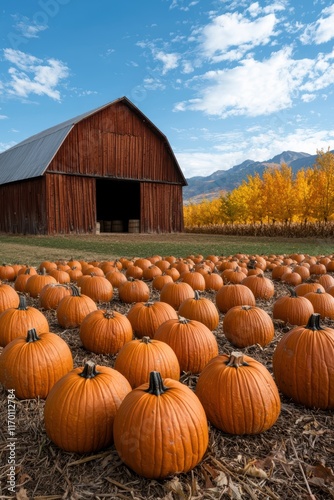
pixel 308 97
pixel 234 31
pixel 322 30
pixel 34 76
pixel 27 28
pixel 187 67
pixel 153 84
pixel 261 146
pixel 3 117
pixel 322 73
pixel 169 60
pixel 179 4
pixel 255 88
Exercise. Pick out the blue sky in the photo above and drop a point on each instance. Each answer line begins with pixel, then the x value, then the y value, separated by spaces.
pixel 224 80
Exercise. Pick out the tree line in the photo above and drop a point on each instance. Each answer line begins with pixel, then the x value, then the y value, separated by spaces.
pixel 278 197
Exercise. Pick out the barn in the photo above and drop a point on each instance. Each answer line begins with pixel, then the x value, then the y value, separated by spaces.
pixel 110 169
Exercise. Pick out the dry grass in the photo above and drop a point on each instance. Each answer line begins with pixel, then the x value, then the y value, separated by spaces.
pixel 294 459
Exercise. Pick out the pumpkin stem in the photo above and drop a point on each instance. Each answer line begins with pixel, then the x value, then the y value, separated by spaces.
pixel 89 370
pixel 236 360
pixel 146 339
pixel 75 290
pixel 32 335
pixel 246 308
pixel 156 386
pixel 22 302
pixel 314 322
pixel 197 295
pixel 109 314
pixel 149 304
pixel 183 320
pixel 292 292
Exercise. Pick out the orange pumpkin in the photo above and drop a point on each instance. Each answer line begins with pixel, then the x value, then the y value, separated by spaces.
pixel 292 309
pixel 16 321
pixel 105 331
pixel 201 309
pixel 303 364
pixel 139 357
pixel 161 429
pixel 133 290
pixel 248 325
pixel 193 343
pixel 234 295
pixel 80 409
pixel 31 365
pixel 73 308
pixel 8 297
pixel 146 317
pixel 175 293
pixel 238 394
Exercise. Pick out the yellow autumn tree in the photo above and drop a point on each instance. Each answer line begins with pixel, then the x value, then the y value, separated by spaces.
pixel 322 186
pixel 303 194
pixel 253 195
pixel 234 208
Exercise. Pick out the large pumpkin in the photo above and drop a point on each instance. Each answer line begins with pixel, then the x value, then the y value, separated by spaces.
pixel 31 365
pixel 238 394
pixel 139 357
pixel 161 428
pixel 175 293
pixel 133 290
pixel 105 331
pixel 248 325
pixel 146 317
pixel 98 288
pixel 16 321
pixel 36 282
pixel 322 302
pixel 80 409
pixel 51 295
pixel 262 287
pixel 73 308
pixel 201 309
pixel 193 343
pixel 234 295
pixel 8 297
pixel 292 309
pixel 303 364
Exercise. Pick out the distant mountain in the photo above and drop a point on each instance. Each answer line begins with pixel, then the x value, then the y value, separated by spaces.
pixel 226 180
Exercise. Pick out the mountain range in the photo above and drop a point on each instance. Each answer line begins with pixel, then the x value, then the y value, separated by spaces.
pixel 209 187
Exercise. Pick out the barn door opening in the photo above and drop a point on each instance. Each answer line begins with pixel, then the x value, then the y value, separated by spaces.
pixel 118 205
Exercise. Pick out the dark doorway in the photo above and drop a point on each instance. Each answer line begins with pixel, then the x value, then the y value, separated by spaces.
pixel 117 202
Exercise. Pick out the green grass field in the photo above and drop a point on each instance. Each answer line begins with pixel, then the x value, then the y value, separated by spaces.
pixel 34 249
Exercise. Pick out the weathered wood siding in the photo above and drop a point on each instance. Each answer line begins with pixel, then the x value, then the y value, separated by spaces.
pixel 117 143
pixel 161 208
pixel 71 204
pixel 22 207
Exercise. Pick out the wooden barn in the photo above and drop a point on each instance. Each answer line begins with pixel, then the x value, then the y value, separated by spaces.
pixel 110 168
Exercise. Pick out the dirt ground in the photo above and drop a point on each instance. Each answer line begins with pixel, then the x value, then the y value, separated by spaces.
pixel 292 460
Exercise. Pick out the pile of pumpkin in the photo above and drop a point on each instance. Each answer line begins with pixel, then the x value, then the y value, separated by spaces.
pixel 158 424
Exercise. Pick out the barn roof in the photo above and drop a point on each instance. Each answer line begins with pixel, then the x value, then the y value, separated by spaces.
pixel 31 157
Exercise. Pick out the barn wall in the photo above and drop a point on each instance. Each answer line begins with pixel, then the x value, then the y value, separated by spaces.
pixel 71 204
pixel 22 207
pixel 161 208
pixel 116 142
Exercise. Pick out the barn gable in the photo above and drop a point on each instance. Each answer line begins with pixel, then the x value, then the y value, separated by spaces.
pixel 82 171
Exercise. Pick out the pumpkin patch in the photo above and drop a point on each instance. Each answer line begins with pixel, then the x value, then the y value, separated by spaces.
pixel 154 388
